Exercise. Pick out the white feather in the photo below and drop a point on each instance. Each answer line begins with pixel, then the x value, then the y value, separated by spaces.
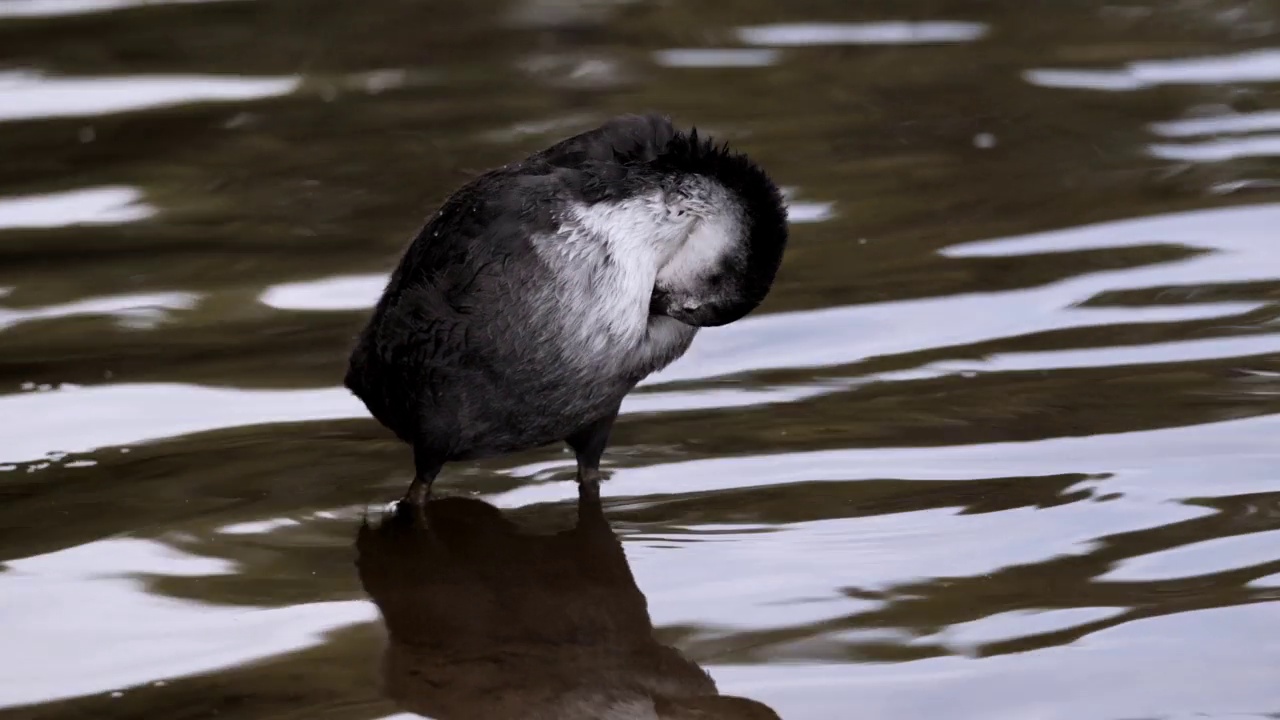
pixel 609 255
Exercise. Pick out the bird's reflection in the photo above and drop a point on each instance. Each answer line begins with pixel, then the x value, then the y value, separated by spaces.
pixel 486 619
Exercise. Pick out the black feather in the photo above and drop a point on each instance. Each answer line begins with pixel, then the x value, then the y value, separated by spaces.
pixel 467 354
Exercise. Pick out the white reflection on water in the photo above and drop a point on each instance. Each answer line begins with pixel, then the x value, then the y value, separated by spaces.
pixel 1218 149
pixel 869 33
pixel 1201 558
pixel 258 527
pixel 91 596
pixel 345 292
pixel 1239 232
pixel 26 95
pixel 1211 348
pixel 55 8
pixel 877 552
pixel 1015 624
pixel 1238 144
pixel 801 212
pixel 91 206
pixel 1046 684
pixel 809 212
pixel 716 57
pixel 132 310
pixel 81 419
pixel 1254 66
pixel 1230 123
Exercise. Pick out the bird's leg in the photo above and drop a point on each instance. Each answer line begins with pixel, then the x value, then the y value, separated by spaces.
pixel 426 465
pixel 588 444
pixel 590 512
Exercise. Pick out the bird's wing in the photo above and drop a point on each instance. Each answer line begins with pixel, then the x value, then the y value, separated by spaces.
pixel 627 139
pixel 464 270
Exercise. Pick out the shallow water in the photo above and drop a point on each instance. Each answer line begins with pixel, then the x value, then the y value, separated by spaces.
pixel 1002 443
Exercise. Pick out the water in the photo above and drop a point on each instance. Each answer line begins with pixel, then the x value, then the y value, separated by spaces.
pixel 1001 443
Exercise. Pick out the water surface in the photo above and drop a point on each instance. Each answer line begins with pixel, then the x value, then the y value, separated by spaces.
pixel 1002 443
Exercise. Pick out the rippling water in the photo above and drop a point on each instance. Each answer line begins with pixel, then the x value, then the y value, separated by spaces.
pixel 1003 442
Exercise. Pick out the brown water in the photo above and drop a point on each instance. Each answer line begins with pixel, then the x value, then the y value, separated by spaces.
pixel 1003 443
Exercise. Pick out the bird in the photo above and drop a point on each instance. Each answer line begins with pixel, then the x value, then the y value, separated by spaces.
pixel 541 292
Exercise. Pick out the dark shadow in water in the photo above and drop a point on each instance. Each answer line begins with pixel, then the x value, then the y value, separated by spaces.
pixel 486 619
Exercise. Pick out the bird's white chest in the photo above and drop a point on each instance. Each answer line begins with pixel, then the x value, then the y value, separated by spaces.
pixel 605 260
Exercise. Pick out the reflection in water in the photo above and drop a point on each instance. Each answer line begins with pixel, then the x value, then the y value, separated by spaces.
pixel 1227 123
pixel 28 95
pixel 348 292
pixel 872 33
pixel 81 419
pixel 134 311
pixel 98 597
pixel 54 8
pixel 716 57
pixel 487 620
pixel 1001 445
pixel 92 206
pixel 1220 149
pixel 1253 66
pixel 1238 143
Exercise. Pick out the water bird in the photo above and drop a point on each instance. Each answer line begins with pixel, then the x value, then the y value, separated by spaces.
pixel 543 291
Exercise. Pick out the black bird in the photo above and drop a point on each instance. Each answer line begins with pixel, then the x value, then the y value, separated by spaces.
pixel 543 291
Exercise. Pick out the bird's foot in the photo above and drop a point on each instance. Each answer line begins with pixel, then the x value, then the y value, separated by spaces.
pixel 415 500
pixel 589 484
